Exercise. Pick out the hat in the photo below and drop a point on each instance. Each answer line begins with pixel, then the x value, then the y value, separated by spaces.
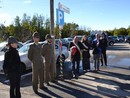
pixel 12 40
pixel 48 36
pixel 36 35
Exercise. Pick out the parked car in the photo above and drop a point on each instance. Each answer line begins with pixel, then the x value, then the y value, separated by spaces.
pixel 120 38
pixel 111 40
pixel 114 38
pixel 4 46
pixel 127 39
pixel 66 41
pixel 90 38
pixel 79 37
pixel 25 62
pixel 28 41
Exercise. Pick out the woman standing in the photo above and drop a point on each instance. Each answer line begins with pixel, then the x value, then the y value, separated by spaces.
pixel 85 54
pixel 11 67
pixel 75 47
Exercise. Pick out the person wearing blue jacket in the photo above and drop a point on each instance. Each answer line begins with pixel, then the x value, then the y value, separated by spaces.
pixel 96 44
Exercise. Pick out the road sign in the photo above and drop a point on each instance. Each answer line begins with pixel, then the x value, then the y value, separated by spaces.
pixel 60 17
pixel 64 8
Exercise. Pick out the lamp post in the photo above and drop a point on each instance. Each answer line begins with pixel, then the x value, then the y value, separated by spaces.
pixel 52 34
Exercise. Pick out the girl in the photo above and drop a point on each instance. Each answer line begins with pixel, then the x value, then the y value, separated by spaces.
pixel 75 47
pixel 11 66
pixel 85 54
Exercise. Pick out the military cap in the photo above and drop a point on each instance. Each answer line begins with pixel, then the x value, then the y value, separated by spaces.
pixel 48 36
pixel 36 35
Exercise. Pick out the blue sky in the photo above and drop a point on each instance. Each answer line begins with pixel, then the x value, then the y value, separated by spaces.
pixel 94 14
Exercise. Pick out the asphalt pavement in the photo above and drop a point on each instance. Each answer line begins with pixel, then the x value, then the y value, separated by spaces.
pixel 112 81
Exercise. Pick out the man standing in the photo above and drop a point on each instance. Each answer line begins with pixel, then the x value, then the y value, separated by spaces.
pixel 47 52
pixel 103 47
pixel 96 44
pixel 34 55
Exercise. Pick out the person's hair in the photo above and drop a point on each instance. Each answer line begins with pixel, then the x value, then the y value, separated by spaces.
pixel 9 45
pixel 96 35
pixel 75 38
pixel 82 40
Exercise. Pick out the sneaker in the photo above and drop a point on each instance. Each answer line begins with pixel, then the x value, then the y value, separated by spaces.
pixel 76 77
pixel 48 84
pixel 84 71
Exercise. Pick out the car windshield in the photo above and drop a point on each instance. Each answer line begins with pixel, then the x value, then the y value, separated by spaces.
pixel 2 45
pixel 24 48
pixel 70 39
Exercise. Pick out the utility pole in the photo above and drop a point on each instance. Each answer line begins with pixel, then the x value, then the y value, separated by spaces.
pixel 53 35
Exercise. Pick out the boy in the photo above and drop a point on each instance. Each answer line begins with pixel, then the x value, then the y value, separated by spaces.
pixel 35 56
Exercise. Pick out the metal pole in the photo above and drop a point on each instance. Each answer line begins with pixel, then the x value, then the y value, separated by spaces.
pixel 52 34
pixel 61 76
pixel 52 17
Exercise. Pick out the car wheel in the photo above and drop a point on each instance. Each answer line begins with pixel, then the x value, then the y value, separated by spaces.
pixel 23 68
pixel 111 43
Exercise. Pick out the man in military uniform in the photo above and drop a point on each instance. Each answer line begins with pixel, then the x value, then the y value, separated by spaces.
pixel 47 52
pixel 34 55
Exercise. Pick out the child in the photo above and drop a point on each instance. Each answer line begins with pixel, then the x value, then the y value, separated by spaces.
pixel 35 56
pixel 11 67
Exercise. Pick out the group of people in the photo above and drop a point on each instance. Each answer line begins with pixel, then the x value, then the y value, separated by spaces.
pixel 81 50
pixel 42 72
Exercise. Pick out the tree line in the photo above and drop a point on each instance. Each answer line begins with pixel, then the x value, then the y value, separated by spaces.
pixel 23 28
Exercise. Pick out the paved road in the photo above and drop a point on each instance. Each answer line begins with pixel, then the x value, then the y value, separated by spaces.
pixel 112 81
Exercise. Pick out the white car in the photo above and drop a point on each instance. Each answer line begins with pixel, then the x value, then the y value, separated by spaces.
pixel 26 63
pixel 67 41
pixel 4 47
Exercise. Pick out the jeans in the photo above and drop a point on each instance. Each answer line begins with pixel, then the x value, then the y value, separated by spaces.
pixel 75 70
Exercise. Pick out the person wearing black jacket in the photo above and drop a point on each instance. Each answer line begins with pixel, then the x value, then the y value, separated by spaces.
pixel 11 67
pixel 75 48
pixel 103 47
pixel 85 53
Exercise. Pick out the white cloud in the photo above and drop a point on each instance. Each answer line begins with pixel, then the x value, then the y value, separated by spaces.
pixel 27 1
pixel 6 19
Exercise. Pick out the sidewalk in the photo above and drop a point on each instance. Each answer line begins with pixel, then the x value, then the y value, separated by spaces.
pixel 110 82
